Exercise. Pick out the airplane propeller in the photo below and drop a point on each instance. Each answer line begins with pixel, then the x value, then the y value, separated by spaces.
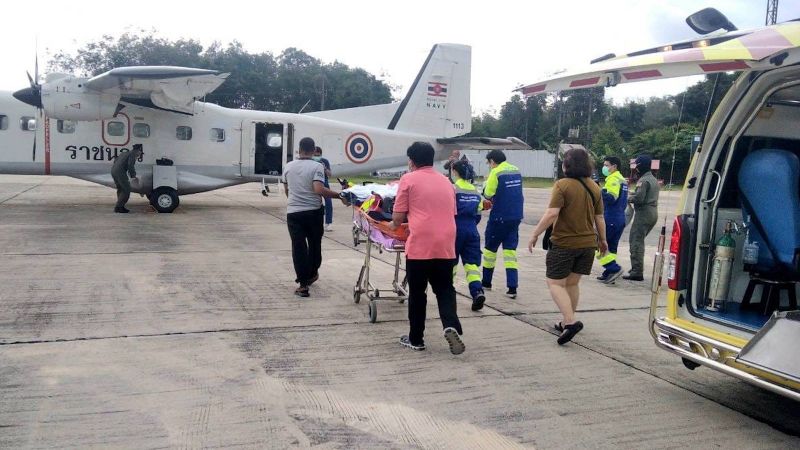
pixel 32 95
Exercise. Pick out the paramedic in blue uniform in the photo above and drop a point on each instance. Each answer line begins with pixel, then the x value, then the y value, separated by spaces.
pixel 615 200
pixel 504 189
pixel 469 205
pixel 328 202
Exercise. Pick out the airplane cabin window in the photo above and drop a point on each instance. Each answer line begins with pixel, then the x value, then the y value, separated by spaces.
pixel 3 122
pixel 217 134
pixel 274 140
pixel 115 128
pixel 183 133
pixel 141 130
pixel 27 123
pixel 65 126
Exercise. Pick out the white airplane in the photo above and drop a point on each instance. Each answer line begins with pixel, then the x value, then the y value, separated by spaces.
pixel 77 126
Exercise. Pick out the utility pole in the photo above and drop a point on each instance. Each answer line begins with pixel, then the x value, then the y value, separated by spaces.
pixel 322 101
pixel 772 12
pixel 589 121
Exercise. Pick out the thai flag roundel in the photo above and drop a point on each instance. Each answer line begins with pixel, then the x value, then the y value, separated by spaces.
pixel 358 148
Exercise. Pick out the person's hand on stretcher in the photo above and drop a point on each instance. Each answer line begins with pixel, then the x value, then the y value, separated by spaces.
pixel 397 219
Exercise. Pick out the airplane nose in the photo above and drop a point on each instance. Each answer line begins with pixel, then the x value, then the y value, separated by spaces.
pixel 30 95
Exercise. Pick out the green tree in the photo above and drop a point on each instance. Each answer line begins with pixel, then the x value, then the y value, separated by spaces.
pixel 662 143
pixel 629 119
pixel 257 81
pixel 698 96
pixel 607 141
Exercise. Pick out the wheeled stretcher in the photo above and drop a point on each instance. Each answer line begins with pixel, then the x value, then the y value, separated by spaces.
pixel 378 235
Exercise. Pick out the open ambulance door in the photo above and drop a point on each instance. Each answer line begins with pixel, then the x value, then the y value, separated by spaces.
pixel 761 48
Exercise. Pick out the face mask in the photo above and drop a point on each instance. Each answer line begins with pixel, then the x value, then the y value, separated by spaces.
pixel 316 158
pixel 605 171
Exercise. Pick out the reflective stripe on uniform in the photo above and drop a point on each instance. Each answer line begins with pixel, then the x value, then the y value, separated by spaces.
pixel 510 259
pixel 607 259
pixel 489 258
pixel 473 273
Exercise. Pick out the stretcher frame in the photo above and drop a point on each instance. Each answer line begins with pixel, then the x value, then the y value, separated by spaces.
pixel 362 234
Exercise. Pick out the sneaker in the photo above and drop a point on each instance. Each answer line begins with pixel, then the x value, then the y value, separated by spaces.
pixel 511 293
pixel 328 227
pixel 633 277
pixel 603 277
pixel 612 277
pixel 478 301
pixel 302 291
pixel 486 286
pixel 407 343
pixel 454 341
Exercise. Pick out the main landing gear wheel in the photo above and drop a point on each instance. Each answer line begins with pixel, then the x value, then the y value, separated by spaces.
pixel 164 199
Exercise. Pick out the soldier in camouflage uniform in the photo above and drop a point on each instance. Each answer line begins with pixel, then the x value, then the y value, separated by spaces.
pixel 645 205
pixel 124 166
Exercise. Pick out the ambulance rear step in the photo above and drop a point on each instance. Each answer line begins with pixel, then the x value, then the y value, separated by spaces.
pixel 774 349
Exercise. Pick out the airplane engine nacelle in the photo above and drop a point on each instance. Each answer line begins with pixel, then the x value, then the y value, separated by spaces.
pixel 68 99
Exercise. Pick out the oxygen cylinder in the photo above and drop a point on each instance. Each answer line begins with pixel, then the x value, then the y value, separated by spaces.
pixel 721 270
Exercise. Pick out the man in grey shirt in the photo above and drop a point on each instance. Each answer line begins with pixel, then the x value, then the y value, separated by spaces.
pixel 304 186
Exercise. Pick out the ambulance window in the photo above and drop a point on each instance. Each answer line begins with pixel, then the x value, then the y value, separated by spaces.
pixel 141 130
pixel 27 123
pixel 274 140
pixel 115 128
pixel 217 134
pixel 65 126
pixel 183 133
pixel 3 122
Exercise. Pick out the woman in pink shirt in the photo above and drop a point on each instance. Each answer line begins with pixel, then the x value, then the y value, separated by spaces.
pixel 427 199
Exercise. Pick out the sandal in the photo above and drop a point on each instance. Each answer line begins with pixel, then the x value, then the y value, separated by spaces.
pixel 559 326
pixel 302 291
pixel 569 332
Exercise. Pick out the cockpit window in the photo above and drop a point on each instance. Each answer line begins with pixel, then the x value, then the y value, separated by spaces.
pixel 65 126
pixel 27 123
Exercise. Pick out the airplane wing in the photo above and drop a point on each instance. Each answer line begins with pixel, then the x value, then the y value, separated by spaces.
pixel 169 88
pixel 735 51
pixel 484 143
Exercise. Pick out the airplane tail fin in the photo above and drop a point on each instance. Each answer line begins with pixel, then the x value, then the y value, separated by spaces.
pixel 438 102
pixel 436 105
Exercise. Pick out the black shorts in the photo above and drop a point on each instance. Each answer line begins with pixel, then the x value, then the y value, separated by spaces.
pixel 561 261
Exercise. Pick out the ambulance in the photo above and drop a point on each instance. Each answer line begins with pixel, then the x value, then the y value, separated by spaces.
pixel 733 263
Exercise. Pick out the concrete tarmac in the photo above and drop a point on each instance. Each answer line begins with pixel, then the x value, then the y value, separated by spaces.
pixel 180 330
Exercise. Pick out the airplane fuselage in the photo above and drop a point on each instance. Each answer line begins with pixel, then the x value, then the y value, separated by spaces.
pixel 213 147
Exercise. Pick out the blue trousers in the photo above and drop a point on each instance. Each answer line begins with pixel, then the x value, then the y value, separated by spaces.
pixel 468 249
pixel 328 211
pixel 614 229
pixel 506 234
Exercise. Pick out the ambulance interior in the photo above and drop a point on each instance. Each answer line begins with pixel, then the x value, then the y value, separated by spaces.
pixel 757 217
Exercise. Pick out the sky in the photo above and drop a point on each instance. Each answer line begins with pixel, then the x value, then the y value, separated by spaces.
pixel 513 42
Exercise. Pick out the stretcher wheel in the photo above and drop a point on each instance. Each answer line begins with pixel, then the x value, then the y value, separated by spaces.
pixel 373 311
pixel 355 236
pixel 376 293
pixel 356 294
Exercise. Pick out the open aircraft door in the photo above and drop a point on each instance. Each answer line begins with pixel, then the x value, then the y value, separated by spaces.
pixel 762 48
pixel 267 149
